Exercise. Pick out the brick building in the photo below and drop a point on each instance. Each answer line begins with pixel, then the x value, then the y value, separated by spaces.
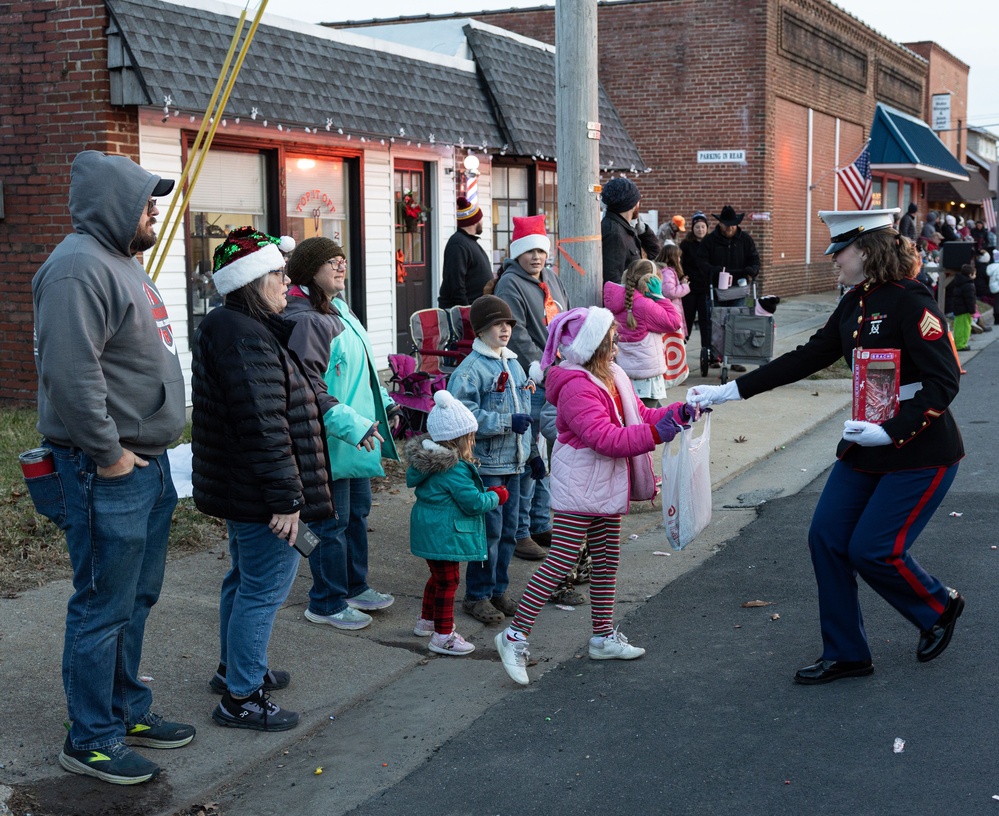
pixel 792 84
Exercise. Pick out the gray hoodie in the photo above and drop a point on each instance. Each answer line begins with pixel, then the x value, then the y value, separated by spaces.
pixel 108 372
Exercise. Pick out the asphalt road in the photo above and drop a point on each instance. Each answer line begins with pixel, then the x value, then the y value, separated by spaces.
pixel 709 721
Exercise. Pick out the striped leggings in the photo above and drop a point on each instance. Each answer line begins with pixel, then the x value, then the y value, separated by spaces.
pixel 603 533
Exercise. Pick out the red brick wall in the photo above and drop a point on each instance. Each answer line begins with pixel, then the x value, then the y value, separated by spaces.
pixel 947 74
pixel 685 76
pixel 54 91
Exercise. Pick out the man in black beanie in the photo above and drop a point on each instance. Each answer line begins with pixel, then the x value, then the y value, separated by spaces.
pixel 907 226
pixel 622 242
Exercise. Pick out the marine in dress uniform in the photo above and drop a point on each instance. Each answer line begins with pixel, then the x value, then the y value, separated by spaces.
pixel 890 477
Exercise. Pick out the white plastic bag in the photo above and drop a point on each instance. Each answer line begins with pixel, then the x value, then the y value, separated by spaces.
pixel 687 486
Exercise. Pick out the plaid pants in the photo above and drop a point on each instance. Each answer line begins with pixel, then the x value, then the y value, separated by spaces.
pixel 438 595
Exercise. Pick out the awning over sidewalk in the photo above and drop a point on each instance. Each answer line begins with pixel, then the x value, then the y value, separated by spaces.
pixel 971 191
pixel 905 145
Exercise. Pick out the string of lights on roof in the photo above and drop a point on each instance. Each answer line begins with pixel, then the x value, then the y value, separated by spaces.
pixel 367 137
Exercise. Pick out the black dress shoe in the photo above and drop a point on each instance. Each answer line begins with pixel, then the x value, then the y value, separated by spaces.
pixel 825 671
pixel 933 642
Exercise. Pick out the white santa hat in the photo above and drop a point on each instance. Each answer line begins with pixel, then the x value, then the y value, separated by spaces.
pixel 529 233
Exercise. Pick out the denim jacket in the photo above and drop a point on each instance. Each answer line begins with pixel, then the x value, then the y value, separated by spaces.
pixel 478 383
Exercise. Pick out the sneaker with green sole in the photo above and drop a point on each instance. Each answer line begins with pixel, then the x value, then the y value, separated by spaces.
pixel 159 733
pixel 117 764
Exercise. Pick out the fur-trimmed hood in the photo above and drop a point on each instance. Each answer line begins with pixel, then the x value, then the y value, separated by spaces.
pixel 428 460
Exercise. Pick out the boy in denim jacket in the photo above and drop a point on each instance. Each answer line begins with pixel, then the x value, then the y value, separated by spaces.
pixel 493 386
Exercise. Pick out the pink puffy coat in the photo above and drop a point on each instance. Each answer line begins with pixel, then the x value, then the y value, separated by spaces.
pixel 676 292
pixel 640 350
pixel 589 472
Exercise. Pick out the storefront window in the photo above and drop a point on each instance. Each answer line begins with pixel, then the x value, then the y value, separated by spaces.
pixel 317 201
pixel 548 200
pixel 509 199
pixel 229 193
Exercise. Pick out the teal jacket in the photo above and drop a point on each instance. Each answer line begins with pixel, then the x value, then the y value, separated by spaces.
pixel 335 352
pixel 448 521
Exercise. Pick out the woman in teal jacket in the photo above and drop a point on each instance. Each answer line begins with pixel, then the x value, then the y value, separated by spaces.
pixel 334 349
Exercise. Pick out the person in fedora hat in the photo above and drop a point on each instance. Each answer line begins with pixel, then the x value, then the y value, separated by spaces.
pixel 729 248
pixel 624 237
pixel 894 468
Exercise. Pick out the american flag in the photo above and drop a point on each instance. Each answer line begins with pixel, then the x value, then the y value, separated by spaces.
pixel 857 179
pixel 990 213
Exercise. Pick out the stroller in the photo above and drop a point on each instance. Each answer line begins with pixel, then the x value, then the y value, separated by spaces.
pixel 441 340
pixel 740 333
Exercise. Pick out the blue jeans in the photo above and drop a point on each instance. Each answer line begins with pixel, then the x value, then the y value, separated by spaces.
pixel 339 563
pixel 535 501
pixel 487 579
pixel 116 533
pixel 258 582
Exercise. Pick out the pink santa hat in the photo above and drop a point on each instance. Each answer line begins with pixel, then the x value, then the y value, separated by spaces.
pixel 576 334
pixel 529 233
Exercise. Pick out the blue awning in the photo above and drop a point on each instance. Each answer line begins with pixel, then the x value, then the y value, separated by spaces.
pixel 905 145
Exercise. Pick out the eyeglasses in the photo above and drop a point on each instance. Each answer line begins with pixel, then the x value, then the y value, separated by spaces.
pixel 338 263
pixel 614 340
pixel 280 272
pixel 150 206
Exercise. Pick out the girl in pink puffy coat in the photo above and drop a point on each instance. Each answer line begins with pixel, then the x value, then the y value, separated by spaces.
pixel 600 424
pixel 643 315
pixel 676 286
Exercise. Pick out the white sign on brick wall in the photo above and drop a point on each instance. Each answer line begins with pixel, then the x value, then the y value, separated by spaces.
pixel 721 156
pixel 941 111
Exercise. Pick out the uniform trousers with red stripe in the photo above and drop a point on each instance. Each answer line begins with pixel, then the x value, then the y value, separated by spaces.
pixel 864 524
pixel 569 531
pixel 438 595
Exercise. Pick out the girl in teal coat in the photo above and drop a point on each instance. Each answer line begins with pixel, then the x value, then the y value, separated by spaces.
pixel 447 525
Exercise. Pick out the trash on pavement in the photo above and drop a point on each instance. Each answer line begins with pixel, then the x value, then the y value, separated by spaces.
pixel 753 604
pixel 899 745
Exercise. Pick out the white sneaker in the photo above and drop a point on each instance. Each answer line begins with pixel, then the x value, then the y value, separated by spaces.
pixel 613 647
pixel 348 619
pixel 423 628
pixel 453 644
pixel 514 655
pixel 369 600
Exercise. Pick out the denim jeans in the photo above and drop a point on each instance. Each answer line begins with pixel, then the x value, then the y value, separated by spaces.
pixel 535 500
pixel 339 563
pixel 116 533
pixel 489 579
pixel 258 582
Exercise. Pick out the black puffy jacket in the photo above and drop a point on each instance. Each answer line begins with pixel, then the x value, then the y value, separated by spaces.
pixel 257 437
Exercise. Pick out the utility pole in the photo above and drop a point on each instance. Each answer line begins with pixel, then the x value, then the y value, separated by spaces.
pixel 577 139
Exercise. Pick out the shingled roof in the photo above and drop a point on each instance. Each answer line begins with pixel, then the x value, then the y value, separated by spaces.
pixel 520 78
pixel 166 55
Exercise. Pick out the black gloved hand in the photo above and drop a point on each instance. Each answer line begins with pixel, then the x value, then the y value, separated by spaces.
pixel 538 469
pixel 519 423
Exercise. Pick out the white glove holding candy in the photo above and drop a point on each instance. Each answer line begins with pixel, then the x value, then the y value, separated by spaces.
pixel 704 396
pixel 865 434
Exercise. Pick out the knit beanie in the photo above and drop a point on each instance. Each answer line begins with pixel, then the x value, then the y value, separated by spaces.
pixel 469 213
pixel 488 310
pixel 950 219
pixel 308 256
pixel 620 195
pixel 698 216
pixel 449 418
pixel 913 208
pixel 245 256
pixel 576 334
pixel 529 233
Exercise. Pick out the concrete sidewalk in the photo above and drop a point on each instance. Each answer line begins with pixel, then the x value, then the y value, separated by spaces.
pixel 365 678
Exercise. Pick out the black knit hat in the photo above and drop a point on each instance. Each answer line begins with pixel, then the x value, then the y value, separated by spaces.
pixel 308 256
pixel 913 208
pixel 487 311
pixel 620 195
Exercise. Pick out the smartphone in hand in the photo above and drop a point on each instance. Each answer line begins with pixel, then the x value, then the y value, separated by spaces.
pixel 305 541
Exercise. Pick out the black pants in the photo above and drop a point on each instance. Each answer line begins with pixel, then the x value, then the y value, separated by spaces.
pixel 696 305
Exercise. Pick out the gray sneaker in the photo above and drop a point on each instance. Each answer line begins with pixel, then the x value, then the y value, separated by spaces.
pixel 370 600
pixel 350 618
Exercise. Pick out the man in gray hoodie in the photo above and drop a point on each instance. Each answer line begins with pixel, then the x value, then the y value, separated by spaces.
pixel 110 400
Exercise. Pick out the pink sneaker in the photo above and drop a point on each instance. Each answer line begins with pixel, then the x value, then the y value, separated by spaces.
pixel 453 644
pixel 423 628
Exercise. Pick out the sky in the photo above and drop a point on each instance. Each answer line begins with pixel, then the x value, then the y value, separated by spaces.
pixel 965 35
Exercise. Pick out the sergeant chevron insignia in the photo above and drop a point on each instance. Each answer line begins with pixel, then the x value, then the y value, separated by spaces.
pixel 930 327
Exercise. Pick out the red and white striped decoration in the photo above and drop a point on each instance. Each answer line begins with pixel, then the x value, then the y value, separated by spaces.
pixel 990 212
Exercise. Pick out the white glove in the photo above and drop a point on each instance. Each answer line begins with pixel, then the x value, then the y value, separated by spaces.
pixel 865 434
pixel 704 396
